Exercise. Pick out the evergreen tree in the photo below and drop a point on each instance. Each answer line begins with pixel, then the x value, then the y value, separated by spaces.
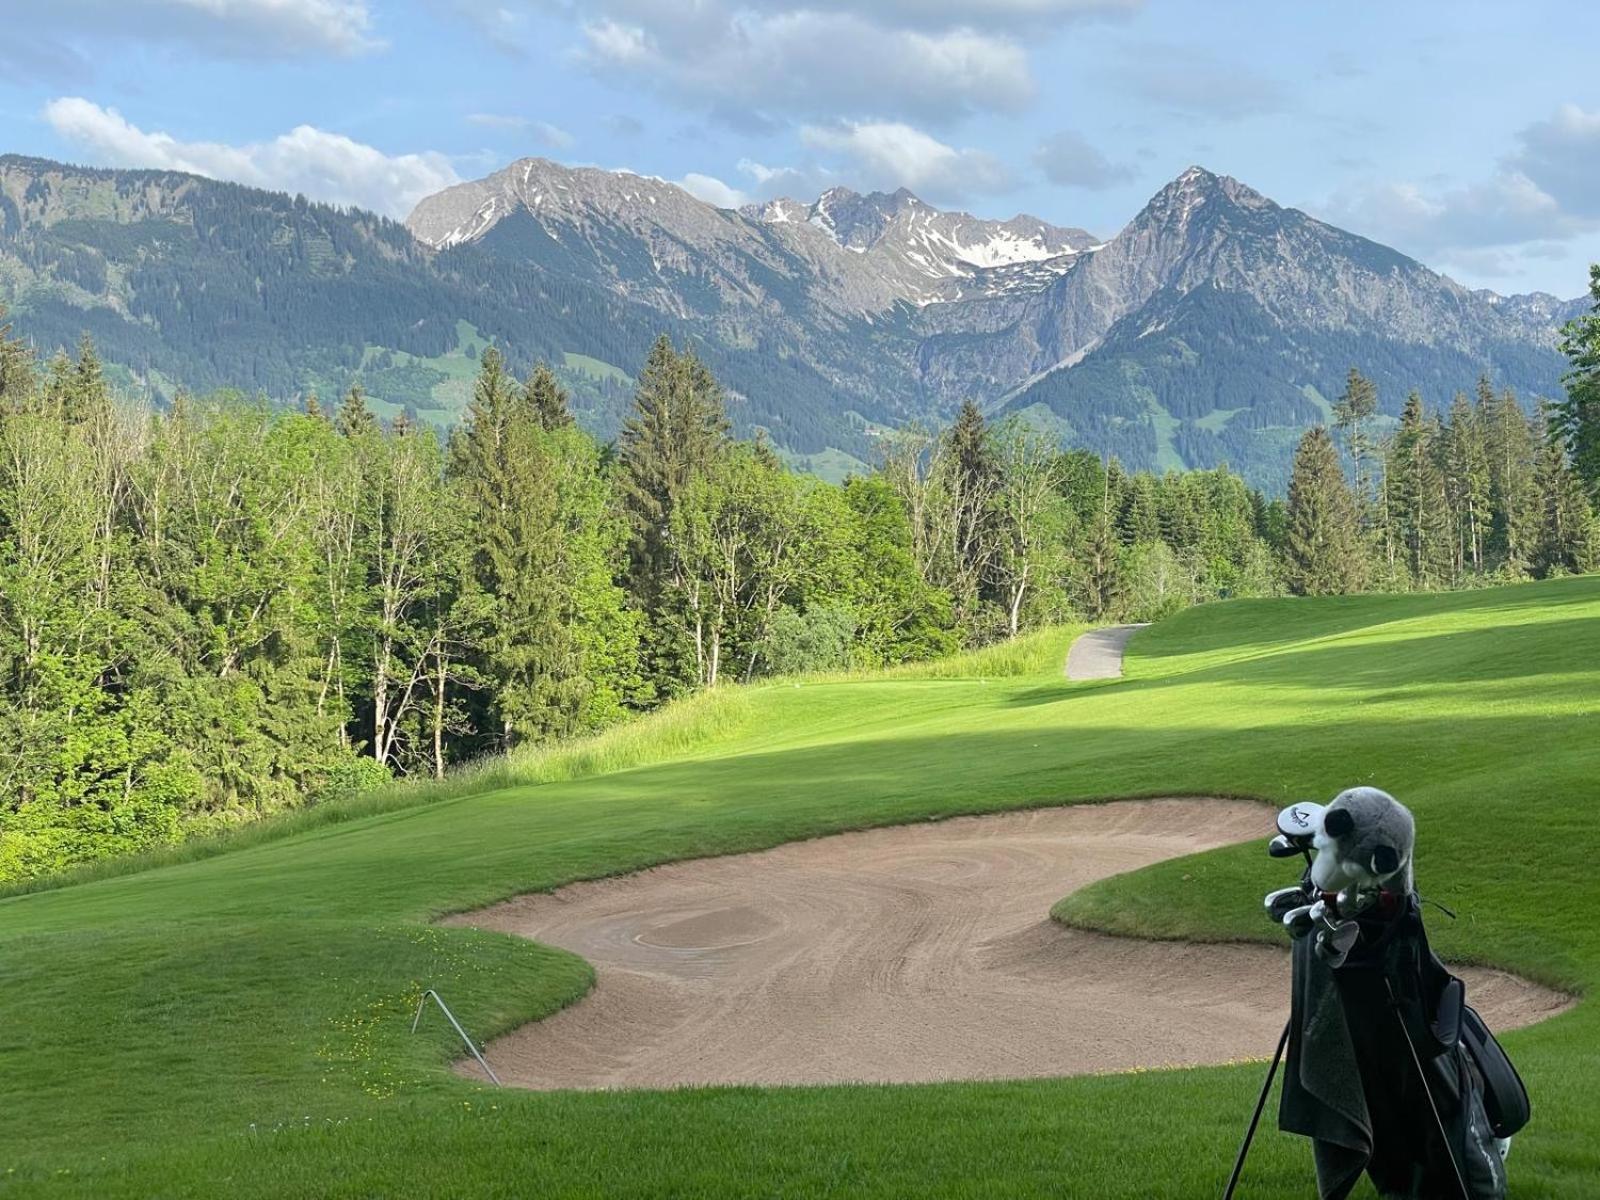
pixel 1562 541
pixel 88 396
pixel 1141 515
pixel 1467 484
pixel 1576 419
pixel 1102 576
pixel 1352 412
pixel 1323 550
pixel 1510 451
pixel 503 466
pixel 676 433
pixel 16 368
pixel 1415 486
pixel 968 481
pixel 355 419
pixel 548 399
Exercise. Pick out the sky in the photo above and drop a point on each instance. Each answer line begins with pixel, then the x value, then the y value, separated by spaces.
pixel 1465 134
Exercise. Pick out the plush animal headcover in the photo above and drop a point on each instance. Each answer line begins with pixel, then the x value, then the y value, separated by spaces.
pixel 1366 838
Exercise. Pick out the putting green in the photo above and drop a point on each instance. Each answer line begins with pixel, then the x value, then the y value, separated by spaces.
pixel 239 1024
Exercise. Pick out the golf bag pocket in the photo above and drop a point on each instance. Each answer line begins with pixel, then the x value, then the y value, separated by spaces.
pixel 1445 1027
pixel 1482 1166
pixel 1505 1098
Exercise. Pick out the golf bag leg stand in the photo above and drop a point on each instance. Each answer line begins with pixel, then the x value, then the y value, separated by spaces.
pixel 1255 1117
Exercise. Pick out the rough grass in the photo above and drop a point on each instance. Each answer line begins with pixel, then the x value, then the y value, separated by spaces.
pixel 238 1024
pixel 683 727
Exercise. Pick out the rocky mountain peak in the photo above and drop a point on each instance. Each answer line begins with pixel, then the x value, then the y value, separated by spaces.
pixel 1200 193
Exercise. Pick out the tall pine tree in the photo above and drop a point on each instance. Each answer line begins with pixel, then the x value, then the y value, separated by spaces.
pixel 1415 506
pixel 1352 413
pixel 548 398
pixel 503 466
pixel 1576 419
pixel 1323 544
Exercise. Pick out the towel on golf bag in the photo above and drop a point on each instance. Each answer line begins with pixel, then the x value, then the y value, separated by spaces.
pixel 1351 1084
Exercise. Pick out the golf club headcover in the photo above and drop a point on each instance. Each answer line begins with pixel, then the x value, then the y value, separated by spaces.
pixel 1365 840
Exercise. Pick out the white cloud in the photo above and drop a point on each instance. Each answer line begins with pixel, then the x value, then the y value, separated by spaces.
pixel 1188 80
pixel 802 183
pixel 497 121
pixel 1563 155
pixel 321 165
pixel 806 60
pixel 890 154
pixel 992 13
pixel 543 132
pixel 1544 192
pixel 617 43
pixel 1068 160
pixel 712 190
pixel 235 28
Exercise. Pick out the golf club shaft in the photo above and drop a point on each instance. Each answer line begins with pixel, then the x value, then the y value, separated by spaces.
pixel 1255 1117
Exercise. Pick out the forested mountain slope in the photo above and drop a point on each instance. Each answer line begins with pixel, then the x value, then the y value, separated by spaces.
pixel 1215 327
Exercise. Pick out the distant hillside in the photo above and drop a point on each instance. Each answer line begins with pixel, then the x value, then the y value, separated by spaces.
pixel 1214 327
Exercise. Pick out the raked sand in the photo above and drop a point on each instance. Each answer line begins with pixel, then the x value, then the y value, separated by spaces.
pixel 909 954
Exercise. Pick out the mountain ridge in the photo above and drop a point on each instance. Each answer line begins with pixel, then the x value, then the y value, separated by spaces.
pixel 1215 325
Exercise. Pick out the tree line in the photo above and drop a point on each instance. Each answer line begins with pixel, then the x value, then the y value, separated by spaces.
pixel 226 609
pixel 1482 492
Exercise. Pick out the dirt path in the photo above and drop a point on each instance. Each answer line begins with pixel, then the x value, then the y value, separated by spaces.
pixel 1098 653
pixel 916 953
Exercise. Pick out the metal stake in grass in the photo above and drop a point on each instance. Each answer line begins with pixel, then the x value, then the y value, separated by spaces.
pixel 1255 1117
pixel 416 1020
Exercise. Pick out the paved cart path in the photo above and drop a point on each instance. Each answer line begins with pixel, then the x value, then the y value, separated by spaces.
pixel 914 953
pixel 1098 653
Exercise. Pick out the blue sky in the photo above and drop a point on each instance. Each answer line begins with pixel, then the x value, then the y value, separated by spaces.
pixel 1466 134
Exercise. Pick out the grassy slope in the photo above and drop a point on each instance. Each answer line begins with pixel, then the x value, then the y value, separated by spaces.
pixel 243 1017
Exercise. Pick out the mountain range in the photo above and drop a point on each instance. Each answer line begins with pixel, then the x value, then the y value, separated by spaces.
pixel 1214 327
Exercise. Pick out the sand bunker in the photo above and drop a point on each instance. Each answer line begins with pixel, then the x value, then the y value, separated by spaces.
pixel 910 954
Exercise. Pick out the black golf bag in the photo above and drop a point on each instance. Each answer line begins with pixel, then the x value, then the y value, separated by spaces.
pixel 1390 1072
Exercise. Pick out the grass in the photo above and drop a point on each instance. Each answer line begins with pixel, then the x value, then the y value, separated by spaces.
pixel 595 368
pixel 238 1024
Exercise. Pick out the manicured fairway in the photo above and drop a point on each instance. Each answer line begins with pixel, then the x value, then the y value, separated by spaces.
pixel 238 1024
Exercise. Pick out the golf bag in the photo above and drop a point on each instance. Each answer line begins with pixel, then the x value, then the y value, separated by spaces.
pixel 1389 1072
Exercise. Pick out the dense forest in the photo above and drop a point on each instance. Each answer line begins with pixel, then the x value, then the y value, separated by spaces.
pixel 225 609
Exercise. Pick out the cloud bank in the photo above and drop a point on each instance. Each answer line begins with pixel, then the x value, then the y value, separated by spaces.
pixel 321 165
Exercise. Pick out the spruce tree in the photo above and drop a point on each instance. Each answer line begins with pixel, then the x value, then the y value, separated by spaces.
pixel 1467 478
pixel 1576 419
pixel 1323 544
pixel 1510 451
pixel 89 396
pixel 1415 485
pixel 355 419
pixel 676 434
pixel 509 480
pixel 548 398
pixel 1561 540
pixel 971 483
pixel 16 368
pixel 1356 406
pixel 1141 518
